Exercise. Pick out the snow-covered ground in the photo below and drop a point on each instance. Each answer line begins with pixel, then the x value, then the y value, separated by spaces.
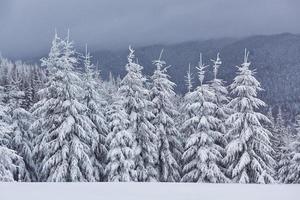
pixel 146 191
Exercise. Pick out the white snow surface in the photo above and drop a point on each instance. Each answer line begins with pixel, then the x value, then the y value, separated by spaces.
pixel 146 191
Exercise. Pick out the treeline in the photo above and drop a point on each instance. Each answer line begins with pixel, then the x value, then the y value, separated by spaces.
pixel 60 122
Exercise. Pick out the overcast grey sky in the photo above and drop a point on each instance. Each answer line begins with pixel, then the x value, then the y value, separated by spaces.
pixel 27 26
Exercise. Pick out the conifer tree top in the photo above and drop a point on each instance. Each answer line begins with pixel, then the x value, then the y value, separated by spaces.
pixel 189 79
pixel 201 66
pixel 216 65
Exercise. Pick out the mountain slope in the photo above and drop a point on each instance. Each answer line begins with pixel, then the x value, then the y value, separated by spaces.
pixel 276 59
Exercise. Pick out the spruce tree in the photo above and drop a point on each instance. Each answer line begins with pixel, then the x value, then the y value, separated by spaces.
pixel 221 100
pixel 289 165
pixel 249 150
pixel 169 145
pixel 187 128
pixel 5 120
pixel 182 108
pixel 121 143
pixel 17 119
pixel 137 105
pixel 12 167
pixel 94 101
pixel 284 165
pixel 202 153
pixel 22 141
pixel 280 136
pixel 65 135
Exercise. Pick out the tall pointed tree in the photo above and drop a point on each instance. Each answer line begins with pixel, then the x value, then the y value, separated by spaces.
pixel 289 164
pixel 221 100
pixel 63 150
pixel 169 145
pixel 187 128
pixel 249 150
pixel 137 105
pixel 283 170
pixel 93 101
pixel 280 136
pixel 202 152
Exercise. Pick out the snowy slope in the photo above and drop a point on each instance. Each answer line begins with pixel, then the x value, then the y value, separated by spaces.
pixel 146 191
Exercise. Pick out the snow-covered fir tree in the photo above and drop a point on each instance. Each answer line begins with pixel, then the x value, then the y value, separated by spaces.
pixel 64 149
pixel 289 165
pixel 186 129
pixel 280 143
pixel 271 127
pixel 169 144
pixel 94 101
pixel 19 77
pixel 22 141
pixel 249 150
pixel 284 164
pixel 121 143
pixel 32 79
pixel 203 154
pixel 19 119
pixel 5 120
pixel 137 105
pixel 12 167
pixel 221 100
pixel 280 135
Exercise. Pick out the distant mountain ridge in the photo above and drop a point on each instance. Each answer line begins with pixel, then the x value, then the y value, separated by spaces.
pixel 276 59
